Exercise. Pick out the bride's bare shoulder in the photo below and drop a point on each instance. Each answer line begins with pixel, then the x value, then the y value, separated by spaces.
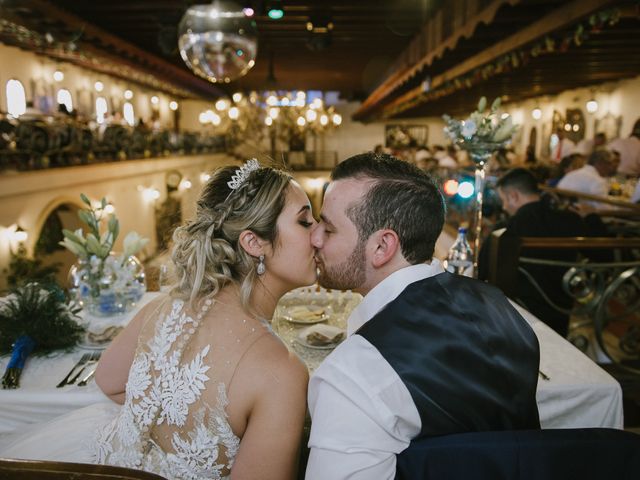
pixel 271 363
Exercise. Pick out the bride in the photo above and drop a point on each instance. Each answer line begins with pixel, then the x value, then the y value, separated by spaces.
pixel 200 385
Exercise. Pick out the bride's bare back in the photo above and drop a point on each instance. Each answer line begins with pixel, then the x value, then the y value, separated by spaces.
pixel 207 391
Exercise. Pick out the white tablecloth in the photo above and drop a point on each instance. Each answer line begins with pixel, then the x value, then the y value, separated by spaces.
pixel 38 399
pixel 578 394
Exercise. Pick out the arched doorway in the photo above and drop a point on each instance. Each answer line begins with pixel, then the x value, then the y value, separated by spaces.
pixel 47 248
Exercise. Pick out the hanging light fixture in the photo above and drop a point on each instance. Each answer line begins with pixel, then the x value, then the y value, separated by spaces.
pixel 218 41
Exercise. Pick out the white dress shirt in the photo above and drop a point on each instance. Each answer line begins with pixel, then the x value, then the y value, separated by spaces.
pixel 586 180
pixel 362 413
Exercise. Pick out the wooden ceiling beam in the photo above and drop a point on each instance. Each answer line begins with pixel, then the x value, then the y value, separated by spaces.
pixel 553 21
pixel 170 72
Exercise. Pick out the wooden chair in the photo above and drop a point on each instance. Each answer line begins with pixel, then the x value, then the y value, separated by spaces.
pixel 13 469
pixel 606 293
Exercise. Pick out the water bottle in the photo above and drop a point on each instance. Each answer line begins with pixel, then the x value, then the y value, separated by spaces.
pixel 460 257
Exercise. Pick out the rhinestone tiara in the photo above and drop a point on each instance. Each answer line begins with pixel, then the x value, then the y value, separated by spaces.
pixel 242 173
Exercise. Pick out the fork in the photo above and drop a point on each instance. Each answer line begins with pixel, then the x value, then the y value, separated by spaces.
pixel 84 359
pixel 93 359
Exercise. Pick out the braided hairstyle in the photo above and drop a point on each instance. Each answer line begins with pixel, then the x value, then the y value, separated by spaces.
pixel 206 252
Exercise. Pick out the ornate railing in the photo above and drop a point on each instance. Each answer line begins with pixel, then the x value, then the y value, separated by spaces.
pixel 606 294
pixel 58 141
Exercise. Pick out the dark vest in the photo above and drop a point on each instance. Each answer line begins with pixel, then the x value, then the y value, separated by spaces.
pixel 468 358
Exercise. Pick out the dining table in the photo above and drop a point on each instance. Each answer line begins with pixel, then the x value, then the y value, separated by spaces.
pixel 572 391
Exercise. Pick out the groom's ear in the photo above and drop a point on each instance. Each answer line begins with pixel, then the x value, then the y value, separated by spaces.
pixel 385 244
pixel 251 243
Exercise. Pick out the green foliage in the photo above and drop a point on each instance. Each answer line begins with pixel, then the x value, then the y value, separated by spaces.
pixel 41 312
pixel 23 269
pixel 96 243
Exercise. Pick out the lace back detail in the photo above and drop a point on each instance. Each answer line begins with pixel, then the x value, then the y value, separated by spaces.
pixel 172 423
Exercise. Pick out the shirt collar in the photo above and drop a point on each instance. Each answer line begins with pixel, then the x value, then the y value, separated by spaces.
pixel 387 290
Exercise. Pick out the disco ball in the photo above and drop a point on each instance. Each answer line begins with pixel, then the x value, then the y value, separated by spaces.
pixel 218 41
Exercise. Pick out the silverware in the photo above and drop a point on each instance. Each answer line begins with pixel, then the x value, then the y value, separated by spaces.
pixel 84 381
pixel 543 375
pixel 93 359
pixel 84 359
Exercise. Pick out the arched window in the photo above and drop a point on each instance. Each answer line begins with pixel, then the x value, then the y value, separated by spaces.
pixel 64 98
pixel 16 98
pixel 101 109
pixel 127 111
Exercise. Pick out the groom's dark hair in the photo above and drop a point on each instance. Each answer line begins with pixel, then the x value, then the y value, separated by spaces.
pixel 402 198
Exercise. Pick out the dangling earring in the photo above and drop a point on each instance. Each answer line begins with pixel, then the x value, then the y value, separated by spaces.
pixel 260 269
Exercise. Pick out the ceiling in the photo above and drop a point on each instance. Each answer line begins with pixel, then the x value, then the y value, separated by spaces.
pixel 136 39
pixel 366 37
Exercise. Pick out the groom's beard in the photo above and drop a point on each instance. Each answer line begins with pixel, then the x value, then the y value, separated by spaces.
pixel 347 275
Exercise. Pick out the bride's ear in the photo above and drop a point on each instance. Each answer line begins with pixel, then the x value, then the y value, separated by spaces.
pixel 251 243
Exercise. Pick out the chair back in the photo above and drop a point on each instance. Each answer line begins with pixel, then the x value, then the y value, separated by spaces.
pixel 13 469
pixel 553 454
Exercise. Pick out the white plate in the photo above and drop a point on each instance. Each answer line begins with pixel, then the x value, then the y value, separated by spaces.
pixel 327 330
pixel 296 314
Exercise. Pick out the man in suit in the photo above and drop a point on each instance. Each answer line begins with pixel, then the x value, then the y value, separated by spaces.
pixel 530 216
pixel 428 352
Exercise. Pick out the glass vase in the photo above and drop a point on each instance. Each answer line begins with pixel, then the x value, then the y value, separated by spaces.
pixel 480 157
pixel 108 287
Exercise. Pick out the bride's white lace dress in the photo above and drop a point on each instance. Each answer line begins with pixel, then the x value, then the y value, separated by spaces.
pixel 173 421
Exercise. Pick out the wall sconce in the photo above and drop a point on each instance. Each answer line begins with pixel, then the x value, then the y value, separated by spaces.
pixel 204 177
pixel 155 100
pixel 13 235
pixel 185 184
pixel 58 76
pixel 128 94
pixel 536 113
pixel 173 105
pixel 149 194
pixel 592 106
pixel 20 235
pixel 99 86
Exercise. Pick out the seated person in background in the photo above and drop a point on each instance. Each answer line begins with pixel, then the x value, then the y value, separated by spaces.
pixel 566 165
pixel 592 178
pixel 629 150
pixel 564 146
pixel 587 147
pixel 532 217
pixel 446 157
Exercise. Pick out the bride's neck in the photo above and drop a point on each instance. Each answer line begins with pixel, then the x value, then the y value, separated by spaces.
pixel 261 303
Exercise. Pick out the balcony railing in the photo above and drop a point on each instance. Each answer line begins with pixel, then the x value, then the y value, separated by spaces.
pixel 58 141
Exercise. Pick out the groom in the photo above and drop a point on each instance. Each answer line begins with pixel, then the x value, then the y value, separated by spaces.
pixel 428 352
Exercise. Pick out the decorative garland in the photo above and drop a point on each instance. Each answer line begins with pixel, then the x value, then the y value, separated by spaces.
pixel 36 319
pixel 23 37
pixel 513 60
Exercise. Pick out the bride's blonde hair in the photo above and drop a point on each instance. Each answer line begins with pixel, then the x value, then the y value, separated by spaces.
pixel 206 252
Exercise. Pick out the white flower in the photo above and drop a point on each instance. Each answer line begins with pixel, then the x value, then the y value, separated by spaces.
pixel 469 128
pixel 133 243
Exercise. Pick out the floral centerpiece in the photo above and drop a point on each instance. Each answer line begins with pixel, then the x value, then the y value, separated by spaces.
pixel 483 132
pixel 104 282
pixel 35 318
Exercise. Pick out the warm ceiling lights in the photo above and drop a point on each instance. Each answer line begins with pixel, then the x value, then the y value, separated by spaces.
pixel 592 106
pixel 58 76
pixel 536 113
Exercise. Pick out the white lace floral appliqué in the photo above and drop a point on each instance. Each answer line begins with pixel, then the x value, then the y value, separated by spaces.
pixel 167 397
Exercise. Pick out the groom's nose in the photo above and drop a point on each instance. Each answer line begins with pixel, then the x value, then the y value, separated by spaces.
pixel 316 235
